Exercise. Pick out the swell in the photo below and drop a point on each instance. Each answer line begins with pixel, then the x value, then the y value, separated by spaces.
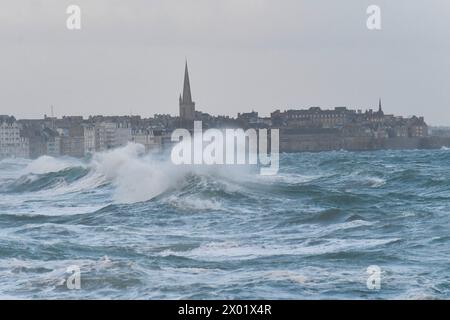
pixel 333 179
pixel 329 215
pixel 34 183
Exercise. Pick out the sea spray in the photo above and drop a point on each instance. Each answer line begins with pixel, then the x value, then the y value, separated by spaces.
pixel 136 176
pixel 210 232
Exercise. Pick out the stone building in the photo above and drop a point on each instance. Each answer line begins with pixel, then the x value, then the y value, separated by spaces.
pixel 12 144
pixel 187 106
pixel 72 141
pixel 313 117
pixel 150 139
pixel 417 127
pixel 110 135
pixel 52 142
pixel 89 133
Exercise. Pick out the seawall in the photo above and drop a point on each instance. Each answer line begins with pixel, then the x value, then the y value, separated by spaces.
pixel 333 141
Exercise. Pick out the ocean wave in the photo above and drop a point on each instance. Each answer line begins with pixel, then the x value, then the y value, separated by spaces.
pixel 233 250
pixel 134 175
pixel 139 226
pixel 287 275
pixel 52 180
pixel 47 164
pixel 128 175
pixel 193 204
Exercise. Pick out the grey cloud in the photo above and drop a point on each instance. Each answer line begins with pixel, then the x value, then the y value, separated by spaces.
pixel 243 54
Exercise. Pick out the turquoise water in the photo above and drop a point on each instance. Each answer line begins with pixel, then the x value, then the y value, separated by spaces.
pixel 141 228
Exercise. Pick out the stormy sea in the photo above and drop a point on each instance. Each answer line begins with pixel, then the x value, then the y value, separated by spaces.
pixel 139 227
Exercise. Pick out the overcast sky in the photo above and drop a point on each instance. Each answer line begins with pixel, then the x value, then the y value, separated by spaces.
pixel 243 55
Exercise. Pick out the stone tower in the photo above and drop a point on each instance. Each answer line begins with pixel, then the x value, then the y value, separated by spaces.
pixel 187 106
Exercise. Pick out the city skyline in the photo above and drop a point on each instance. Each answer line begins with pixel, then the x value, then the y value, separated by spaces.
pixel 311 129
pixel 224 155
pixel 187 110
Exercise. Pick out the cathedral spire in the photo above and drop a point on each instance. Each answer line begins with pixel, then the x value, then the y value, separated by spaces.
pixel 187 97
pixel 187 106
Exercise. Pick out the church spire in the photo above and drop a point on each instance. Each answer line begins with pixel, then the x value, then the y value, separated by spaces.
pixel 187 106
pixel 187 97
pixel 380 109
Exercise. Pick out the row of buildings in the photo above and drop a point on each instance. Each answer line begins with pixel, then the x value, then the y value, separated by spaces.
pixel 75 136
pixel 12 142
pixel 370 123
pixel 300 129
pixel 78 137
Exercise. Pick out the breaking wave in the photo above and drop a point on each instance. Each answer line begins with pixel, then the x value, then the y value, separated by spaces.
pixel 141 227
pixel 134 176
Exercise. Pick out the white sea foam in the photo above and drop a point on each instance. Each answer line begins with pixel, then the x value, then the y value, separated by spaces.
pixel 137 177
pixel 286 275
pixel 290 178
pixel 47 164
pixel 231 250
pixel 194 203
pixel 366 180
pixel 375 182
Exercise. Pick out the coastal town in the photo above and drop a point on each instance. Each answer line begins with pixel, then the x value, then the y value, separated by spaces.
pixel 303 129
